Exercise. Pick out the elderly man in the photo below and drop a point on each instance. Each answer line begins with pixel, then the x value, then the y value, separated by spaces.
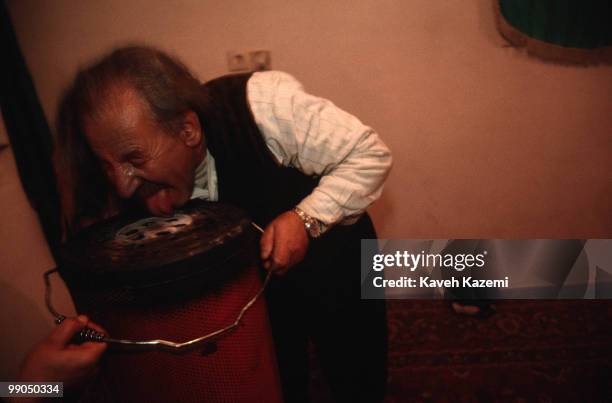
pixel 139 126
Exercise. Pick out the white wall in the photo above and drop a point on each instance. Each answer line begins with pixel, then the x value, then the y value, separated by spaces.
pixel 24 257
pixel 487 142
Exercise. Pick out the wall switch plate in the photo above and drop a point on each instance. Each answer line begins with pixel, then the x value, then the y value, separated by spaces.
pixel 238 61
pixel 260 60
pixel 254 60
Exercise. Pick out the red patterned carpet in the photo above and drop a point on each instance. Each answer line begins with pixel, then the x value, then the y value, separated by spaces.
pixel 529 351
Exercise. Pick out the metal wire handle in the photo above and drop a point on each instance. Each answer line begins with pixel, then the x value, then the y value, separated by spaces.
pixel 89 334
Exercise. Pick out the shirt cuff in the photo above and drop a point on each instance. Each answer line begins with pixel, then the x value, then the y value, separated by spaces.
pixel 322 207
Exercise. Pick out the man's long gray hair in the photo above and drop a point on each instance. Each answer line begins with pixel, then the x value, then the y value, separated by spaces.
pixel 168 90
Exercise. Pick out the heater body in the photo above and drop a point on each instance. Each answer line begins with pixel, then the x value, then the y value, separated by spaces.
pixel 177 279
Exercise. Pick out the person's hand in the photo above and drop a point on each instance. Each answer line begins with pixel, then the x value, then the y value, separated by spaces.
pixel 284 242
pixel 55 359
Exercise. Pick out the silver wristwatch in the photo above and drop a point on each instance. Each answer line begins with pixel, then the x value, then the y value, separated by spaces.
pixel 313 227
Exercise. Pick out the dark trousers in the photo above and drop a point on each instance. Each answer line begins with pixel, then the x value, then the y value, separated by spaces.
pixel 319 300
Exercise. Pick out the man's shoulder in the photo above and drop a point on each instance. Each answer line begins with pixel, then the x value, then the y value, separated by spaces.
pixel 231 79
pixel 266 78
pixel 262 88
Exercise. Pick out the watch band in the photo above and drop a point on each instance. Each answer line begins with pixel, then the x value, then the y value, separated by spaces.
pixel 313 227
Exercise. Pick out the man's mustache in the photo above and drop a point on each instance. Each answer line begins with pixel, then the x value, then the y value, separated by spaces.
pixel 147 189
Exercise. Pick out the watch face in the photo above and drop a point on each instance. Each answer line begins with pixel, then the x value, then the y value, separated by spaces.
pixel 313 228
pixel 311 224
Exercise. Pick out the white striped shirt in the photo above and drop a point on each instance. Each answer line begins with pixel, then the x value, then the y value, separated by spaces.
pixel 318 138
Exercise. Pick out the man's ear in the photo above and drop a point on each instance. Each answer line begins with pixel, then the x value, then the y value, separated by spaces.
pixel 191 130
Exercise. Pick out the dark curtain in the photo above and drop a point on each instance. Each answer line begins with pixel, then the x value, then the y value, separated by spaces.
pixel 559 30
pixel 29 133
pixel 579 24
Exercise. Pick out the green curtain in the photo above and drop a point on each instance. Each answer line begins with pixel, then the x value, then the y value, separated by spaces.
pixel 559 28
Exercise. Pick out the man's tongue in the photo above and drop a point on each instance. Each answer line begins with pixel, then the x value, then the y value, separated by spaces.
pixel 160 203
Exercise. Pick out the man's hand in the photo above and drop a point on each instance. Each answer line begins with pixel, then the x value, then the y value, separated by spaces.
pixel 284 242
pixel 55 359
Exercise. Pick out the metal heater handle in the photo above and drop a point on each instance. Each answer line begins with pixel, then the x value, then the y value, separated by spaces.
pixel 89 334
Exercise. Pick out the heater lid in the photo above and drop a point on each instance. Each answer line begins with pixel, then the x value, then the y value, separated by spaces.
pixel 127 247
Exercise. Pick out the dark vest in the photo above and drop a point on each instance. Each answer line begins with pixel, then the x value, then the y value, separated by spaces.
pixel 249 177
pixel 247 173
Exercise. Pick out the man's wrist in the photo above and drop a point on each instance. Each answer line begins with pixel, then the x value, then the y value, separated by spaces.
pixel 314 228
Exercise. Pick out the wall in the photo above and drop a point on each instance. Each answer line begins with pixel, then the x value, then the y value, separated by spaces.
pixel 24 257
pixel 487 141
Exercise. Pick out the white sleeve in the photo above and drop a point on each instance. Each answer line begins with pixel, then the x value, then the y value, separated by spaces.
pixel 318 138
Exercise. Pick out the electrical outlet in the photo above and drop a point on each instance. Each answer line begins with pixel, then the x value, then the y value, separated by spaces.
pixel 260 60
pixel 238 61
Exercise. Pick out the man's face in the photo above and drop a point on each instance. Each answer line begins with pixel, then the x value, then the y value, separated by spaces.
pixel 142 160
